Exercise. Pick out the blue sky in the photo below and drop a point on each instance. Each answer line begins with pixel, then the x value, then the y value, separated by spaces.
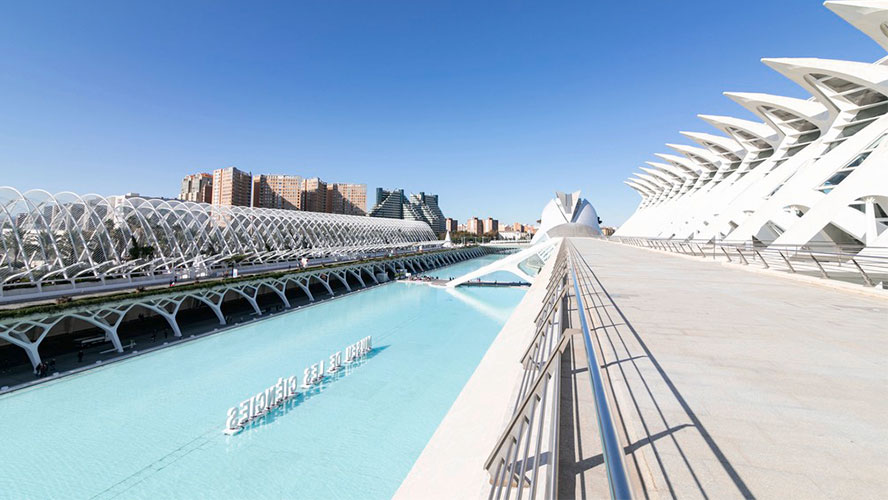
pixel 491 105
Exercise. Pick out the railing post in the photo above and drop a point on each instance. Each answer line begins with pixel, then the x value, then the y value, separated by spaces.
pixel 742 257
pixel 726 254
pixel 866 279
pixel 791 269
pixel 822 271
pixel 763 259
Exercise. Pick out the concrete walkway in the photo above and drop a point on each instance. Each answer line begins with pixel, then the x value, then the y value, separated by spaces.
pixel 725 383
pixel 740 384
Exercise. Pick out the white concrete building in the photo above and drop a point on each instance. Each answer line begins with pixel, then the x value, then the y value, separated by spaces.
pixel 811 172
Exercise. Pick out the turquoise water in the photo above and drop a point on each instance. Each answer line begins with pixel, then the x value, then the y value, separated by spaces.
pixel 151 426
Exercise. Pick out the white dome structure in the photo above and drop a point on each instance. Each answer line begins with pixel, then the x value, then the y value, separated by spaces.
pixel 567 215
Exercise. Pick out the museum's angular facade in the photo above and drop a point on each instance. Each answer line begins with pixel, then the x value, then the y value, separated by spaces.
pixel 812 172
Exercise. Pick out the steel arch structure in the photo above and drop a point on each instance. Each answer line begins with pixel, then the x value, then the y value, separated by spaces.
pixel 28 332
pixel 48 238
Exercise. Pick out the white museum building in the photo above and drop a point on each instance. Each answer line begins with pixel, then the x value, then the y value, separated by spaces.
pixel 811 172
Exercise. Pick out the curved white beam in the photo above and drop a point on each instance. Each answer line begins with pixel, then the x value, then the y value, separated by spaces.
pixel 868 16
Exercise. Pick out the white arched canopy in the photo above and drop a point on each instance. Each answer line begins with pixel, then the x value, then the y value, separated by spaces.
pixel 46 237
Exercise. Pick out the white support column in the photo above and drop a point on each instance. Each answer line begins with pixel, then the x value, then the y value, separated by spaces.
pixel 111 334
pixel 110 330
pixel 341 278
pixel 250 299
pixel 305 289
pixel 358 276
pixel 171 319
pixel 160 308
pixel 281 293
pixel 31 348
pixel 373 274
pixel 216 308
pixel 326 283
pixel 871 227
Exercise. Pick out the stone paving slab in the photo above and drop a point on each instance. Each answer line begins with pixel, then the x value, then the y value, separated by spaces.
pixel 735 383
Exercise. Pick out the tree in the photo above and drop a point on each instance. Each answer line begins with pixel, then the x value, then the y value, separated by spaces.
pixel 138 251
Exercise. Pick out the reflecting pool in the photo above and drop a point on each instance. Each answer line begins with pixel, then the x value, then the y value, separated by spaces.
pixel 152 426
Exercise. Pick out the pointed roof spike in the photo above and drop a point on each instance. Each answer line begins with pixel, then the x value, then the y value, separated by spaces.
pixel 811 110
pixel 690 151
pixel 681 162
pixel 720 140
pixel 869 17
pixel 758 129
pixel 679 172
pixel 802 107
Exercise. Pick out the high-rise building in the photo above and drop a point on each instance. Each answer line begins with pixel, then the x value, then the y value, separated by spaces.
pixel 421 207
pixel 232 187
pixel 451 225
pixel 197 188
pixel 491 225
pixel 389 204
pixel 426 209
pixel 475 226
pixel 277 191
pixel 314 195
pixel 348 199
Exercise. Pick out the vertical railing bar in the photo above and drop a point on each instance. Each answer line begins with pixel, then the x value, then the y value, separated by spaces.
pixel 552 479
pixel 763 259
pixel 505 467
pixel 788 264
pixel 527 447
pixel 539 443
pixel 822 271
pixel 866 278
pixel 524 378
pixel 493 488
pixel 514 461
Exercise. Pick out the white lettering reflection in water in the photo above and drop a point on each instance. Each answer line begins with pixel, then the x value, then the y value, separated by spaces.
pixel 285 389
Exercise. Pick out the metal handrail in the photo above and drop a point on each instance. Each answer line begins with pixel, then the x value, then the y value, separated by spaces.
pixel 617 478
pixel 829 261
pixel 516 459
pixel 512 459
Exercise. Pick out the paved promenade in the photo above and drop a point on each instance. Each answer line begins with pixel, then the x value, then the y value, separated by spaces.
pixel 727 383
pixel 734 383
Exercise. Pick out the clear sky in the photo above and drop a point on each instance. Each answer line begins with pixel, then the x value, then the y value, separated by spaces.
pixel 491 105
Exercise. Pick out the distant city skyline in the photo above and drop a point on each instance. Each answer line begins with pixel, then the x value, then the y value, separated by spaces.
pixel 491 106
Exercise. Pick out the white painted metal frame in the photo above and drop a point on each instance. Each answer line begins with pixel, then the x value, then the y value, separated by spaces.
pixel 47 239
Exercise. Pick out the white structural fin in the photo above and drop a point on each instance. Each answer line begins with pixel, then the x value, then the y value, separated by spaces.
pixel 810 173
